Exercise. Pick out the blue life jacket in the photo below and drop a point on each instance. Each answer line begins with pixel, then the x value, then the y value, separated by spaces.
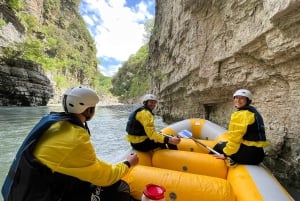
pixel 25 167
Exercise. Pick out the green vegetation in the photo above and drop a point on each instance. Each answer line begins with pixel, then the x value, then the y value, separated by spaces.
pixel 149 25
pixel 15 4
pixel 104 85
pixel 61 43
pixel 2 23
pixel 132 79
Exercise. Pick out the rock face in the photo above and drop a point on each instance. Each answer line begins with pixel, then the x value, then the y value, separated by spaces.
pixel 202 51
pixel 13 31
pixel 23 83
pixel 53 34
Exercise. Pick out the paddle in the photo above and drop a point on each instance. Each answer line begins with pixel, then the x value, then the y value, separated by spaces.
pixel 188 134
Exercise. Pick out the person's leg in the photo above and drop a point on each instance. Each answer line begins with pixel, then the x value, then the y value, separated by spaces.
pixel 219 147
pixel 249 155
pixel 124 191
pixel 148 145
pixel 119 191
pixel 172 146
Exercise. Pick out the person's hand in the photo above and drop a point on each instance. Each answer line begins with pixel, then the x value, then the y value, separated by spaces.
pixel 133 159
pixel 220 156
pixel 174 140
pixel 229 162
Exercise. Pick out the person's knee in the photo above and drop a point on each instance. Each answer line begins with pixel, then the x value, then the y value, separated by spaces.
pixel 173 147
pixel 123 187
pixel 124 191
pixel 219 147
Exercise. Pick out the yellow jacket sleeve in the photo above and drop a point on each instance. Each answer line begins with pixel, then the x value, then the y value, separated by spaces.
pixel 66 148
pixel 146 119
pixel 237 129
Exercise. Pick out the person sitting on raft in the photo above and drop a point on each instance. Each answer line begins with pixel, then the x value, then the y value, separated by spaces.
pixel 246 132
pixel 141 132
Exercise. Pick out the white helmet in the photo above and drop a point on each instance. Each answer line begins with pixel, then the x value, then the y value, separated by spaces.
pixel 149 97
pixel 77 100
pixel 243 92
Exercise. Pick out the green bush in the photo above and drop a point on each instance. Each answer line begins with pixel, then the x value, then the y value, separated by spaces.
pixel 15 4
pixel 2 23
pixel 132 79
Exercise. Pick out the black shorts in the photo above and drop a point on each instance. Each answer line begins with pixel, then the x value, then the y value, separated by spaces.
pixel 246 154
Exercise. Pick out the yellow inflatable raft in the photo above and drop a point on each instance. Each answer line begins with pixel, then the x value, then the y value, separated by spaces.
pixel 191 174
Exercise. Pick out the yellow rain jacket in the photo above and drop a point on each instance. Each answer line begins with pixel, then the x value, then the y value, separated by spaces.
pixel 239 122
pixel 145 117
pixel 66 148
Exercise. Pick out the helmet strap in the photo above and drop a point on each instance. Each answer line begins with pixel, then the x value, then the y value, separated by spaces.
pixel 64 102
pixel 145 103
pixel 87 128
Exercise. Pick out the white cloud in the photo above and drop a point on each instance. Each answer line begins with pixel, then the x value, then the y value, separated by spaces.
pixel 88 20
pixel 117 30
pixel 109 70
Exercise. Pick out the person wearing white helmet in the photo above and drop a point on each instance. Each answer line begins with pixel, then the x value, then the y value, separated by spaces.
pixel 141 131
pixel 246 132
pixel 57 160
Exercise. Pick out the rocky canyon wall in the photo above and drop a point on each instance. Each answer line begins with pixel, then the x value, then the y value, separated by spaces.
pixel 49 33
pixel 22 82
pixel 201 51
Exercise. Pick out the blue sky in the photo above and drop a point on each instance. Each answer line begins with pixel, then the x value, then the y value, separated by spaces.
pixel 117 27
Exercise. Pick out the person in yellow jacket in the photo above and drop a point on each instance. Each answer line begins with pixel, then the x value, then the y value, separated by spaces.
pixel 246 132
pixel 68 168
pixel 141 131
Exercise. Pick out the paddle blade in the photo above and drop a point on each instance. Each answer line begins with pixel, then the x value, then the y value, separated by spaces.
pixel 185 134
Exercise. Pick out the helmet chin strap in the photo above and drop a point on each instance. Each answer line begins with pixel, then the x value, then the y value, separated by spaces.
pixel 65 103
pixel 87 116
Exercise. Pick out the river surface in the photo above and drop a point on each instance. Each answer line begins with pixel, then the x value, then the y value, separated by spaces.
pixel 107 131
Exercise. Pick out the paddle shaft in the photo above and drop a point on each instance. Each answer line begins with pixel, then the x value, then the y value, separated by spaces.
pixel 204 145
pixel 195 140
pixel 228 160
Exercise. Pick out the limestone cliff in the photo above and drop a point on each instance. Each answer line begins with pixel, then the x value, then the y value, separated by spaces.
pixel 201 51
pixel 23 83
pixel 47 40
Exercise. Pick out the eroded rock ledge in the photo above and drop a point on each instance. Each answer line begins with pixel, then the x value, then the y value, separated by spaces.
pixel 23 83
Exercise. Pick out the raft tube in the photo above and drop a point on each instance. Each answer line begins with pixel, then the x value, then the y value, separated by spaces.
pixel 191 162
pixel 190 174
pixel 256 182
pixel 180 186
pixel 206 131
